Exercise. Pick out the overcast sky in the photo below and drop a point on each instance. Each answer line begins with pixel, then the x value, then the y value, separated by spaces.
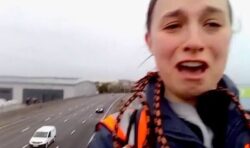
pixel 93 39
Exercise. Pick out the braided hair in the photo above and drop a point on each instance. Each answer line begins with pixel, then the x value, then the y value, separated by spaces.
pixel 158 129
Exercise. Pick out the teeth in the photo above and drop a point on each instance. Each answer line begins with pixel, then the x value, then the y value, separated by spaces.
pixel 192 64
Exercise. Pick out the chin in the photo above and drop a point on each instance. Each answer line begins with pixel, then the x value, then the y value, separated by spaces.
pixel 192 92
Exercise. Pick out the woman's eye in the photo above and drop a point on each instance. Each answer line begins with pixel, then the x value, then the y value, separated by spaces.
pixel 172 27
pixel 212 25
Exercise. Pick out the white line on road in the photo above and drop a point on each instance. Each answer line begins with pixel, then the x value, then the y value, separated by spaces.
pixel 83 121
pixel 105 116
pixel 111 107
pixel 72 132
pixel 65 120
pixel 13 123
pixel 91 138
pixel 27 128
pixel 25 146
pixel 47 119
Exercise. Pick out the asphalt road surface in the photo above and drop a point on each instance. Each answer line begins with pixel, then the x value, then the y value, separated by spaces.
pixel 74 119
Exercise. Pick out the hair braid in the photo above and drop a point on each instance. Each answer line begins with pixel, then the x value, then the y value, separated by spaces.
pixel 162 140
pixel 138 88
pixel 158 129
pixel 235 100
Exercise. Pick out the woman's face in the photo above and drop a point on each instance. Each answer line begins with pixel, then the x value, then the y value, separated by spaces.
pixel 189 40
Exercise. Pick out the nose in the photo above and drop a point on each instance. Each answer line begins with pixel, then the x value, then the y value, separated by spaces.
pixel 193 42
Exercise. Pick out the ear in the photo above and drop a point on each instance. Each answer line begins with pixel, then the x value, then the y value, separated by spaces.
pixel 148 40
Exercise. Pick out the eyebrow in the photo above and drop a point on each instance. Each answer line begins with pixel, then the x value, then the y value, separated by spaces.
pixel 213 10
pixel 179 12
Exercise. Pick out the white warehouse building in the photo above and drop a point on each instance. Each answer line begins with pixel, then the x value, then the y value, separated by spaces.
pixel 44 88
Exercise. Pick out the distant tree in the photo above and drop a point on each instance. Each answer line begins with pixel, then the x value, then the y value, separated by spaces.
pixel 114 87
pixel 103 87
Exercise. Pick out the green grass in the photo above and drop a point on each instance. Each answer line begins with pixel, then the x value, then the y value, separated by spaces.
pixel 245 93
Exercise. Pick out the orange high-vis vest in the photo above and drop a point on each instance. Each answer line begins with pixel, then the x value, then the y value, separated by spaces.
pixel 247 146
pixel 110 122
pixel 139 126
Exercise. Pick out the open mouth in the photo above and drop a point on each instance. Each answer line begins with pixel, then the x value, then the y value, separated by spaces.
pixel 192 66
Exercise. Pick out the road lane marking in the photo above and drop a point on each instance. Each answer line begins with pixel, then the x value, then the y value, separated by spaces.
pixel 27 128
pixel 83 121
pixel 111 106
pixel 65 120
pixel 91 138
pixel 72 132
pixel 47 119
pixel 25 146
pixel 13 123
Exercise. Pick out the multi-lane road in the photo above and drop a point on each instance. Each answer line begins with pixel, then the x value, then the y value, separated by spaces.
pixel 74 119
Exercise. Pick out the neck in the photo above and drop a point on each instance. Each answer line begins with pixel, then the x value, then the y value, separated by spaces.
pixel 178 99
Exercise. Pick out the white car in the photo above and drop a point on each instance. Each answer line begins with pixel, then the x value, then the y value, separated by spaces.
pixel 99 110
pixel 43 136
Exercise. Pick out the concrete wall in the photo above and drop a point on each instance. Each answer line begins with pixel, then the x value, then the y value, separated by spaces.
pixel 18 89
pixel 85 88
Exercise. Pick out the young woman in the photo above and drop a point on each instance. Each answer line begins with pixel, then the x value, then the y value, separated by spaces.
pixel 189 103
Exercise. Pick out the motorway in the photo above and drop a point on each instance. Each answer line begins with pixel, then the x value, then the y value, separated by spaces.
pixel 74 119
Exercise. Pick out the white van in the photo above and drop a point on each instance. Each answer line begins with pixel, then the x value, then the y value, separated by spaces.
pixel 43 136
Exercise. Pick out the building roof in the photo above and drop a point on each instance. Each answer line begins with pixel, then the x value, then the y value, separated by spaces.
pixel 40 80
